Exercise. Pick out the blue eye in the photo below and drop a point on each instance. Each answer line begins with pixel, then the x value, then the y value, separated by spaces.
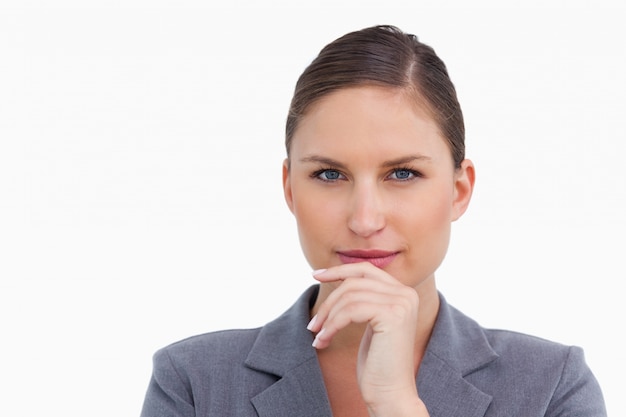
pixel 403 174
pixel 328 175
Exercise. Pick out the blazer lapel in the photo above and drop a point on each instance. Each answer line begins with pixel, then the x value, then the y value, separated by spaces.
pixel 446 393
pixel 283 348
pixel 300 392
pixel 457 348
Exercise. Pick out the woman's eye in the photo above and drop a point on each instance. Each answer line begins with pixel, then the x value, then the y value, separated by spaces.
pixel 403 174
pixel 329 175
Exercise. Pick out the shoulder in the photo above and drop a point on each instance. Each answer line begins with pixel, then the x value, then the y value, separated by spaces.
pixel 208 350
pixel 557 375
pixel 506 351
pixel 217 373
pixel 462 334
pixel 205 375
pixel 511 367
pixel 525 347
pixel 228 352
pixel 521 366
pixel 201 368
pixel 535 360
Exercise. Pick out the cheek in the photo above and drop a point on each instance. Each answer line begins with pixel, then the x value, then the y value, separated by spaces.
pixel 317 220
pixel 441 211
pixel 429 208
pixel 426 223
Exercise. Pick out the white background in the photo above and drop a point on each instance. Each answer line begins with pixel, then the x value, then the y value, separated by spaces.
pixel 140 193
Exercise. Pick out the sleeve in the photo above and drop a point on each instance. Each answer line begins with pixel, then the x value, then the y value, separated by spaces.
pixel 168 394
pixel 578 393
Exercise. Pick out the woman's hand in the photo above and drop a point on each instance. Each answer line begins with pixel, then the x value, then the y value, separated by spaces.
pixel 386 363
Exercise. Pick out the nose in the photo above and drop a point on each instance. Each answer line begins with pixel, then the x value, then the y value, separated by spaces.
pixel 367 216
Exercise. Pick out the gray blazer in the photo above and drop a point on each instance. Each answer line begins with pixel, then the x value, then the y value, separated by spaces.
pixel 467 371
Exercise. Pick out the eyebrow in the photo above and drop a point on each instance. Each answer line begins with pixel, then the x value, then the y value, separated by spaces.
pixel 406 159
pixel 390 163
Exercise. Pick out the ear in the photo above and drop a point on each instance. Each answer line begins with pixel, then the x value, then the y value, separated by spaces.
pixel 287 185
pixel 463 187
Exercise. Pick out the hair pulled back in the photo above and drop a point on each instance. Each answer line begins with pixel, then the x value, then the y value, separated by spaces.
pixel 385 56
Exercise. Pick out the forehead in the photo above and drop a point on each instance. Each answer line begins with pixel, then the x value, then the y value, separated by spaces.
pixel 357 119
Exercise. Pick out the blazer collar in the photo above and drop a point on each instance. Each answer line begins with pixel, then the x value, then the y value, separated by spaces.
pixel 283 348
pixel 457 348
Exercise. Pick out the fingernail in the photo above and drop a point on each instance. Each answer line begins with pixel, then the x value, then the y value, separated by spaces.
pixel 312 322
pixel 318 271
pixel 317 338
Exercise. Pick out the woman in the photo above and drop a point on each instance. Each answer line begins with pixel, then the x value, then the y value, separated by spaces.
pixel 375 174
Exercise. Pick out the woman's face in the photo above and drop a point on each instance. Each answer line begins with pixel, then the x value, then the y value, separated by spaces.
pixel 370 178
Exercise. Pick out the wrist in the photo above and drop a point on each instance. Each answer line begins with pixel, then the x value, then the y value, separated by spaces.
pixel 409 407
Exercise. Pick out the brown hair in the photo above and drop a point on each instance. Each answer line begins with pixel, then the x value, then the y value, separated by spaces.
pixel 385 56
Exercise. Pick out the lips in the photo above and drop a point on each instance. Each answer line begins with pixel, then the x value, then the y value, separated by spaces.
pixel 378 258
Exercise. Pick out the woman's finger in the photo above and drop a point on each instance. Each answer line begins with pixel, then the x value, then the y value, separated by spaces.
pixel 382 303
pixel 354 270
pixel 356 306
